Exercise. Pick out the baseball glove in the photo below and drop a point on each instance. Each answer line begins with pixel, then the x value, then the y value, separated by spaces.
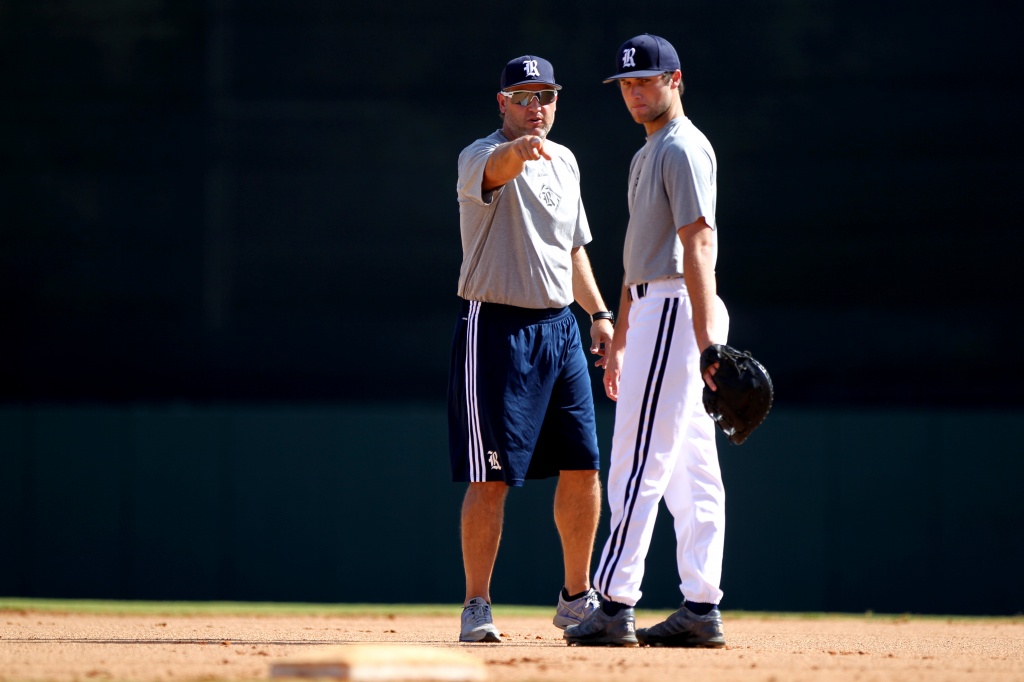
pixel 744 393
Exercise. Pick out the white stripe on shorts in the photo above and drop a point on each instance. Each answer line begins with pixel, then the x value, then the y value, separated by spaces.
pixel 475 441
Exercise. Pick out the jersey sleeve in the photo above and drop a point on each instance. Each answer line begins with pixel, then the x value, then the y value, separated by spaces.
pixel 472 162
pixel 689 179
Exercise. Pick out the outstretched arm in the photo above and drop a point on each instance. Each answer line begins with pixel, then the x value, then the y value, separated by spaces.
pixel 507 160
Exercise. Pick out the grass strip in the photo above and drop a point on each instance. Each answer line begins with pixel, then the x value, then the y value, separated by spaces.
pixel 255 609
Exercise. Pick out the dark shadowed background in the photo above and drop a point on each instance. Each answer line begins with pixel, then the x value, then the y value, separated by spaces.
pixel 229 228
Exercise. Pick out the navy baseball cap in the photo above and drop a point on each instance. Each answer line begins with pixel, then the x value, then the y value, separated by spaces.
pixel 528 69
pixel 644 55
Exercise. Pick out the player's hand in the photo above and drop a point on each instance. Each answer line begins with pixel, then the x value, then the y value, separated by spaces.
pixel 601 334
pixel 529 148
pixel 612 374
pixel 709 376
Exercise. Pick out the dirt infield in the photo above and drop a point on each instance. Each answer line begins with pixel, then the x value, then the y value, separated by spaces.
pixel 66 647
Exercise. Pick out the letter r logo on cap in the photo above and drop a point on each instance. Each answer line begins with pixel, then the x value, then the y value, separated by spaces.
pixel 627 57
pixel 530 68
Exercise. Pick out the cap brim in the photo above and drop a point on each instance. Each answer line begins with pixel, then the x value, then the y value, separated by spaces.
pixel 556 86
pixel 633 74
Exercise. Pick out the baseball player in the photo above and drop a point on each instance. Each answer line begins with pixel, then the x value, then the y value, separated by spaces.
pixel 520 404
pixel 664 441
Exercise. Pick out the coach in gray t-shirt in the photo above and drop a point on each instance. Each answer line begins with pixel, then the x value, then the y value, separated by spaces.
pixel 520 403
pixel 518 239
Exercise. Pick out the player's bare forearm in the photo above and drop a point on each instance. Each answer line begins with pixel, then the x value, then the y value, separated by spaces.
pixel 613 363
pixel 622 320
pixel 699 273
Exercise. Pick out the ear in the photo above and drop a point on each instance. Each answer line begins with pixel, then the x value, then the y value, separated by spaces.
pixel 502 101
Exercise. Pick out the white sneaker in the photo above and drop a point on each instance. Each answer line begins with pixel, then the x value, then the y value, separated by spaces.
pixel 477 625
pixel 573 612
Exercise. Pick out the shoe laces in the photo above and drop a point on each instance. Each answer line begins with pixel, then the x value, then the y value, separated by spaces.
pixel 477 614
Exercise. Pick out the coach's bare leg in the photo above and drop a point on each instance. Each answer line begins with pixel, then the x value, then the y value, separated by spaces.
pixel 577 512
pixel 483 512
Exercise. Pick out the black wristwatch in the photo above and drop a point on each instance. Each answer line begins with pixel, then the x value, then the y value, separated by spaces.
pixel 603 315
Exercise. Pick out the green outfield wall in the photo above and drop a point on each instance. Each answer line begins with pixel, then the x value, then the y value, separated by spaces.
pixel 901 511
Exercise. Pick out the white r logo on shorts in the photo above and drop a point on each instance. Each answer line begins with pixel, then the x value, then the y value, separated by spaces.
pixel 627 57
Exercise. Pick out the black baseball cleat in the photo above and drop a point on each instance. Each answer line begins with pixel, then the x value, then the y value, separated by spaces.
pixel 684 628
pixel 600 629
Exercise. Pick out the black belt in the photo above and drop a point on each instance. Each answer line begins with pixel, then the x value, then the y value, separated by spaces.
pixel 641 291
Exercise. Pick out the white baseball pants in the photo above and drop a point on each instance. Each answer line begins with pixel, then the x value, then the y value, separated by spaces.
pixel 663 447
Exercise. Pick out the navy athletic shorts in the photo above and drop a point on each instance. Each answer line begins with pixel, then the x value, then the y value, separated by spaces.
pixel 520 403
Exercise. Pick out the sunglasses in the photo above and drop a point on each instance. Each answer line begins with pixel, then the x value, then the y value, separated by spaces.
pixel 524 97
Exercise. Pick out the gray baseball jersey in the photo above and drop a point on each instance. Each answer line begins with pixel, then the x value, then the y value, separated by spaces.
pixel 517 239
pixel 672 183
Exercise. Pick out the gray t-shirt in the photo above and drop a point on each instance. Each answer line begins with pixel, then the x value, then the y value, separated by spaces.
pixel 672 183
pixel 517 240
